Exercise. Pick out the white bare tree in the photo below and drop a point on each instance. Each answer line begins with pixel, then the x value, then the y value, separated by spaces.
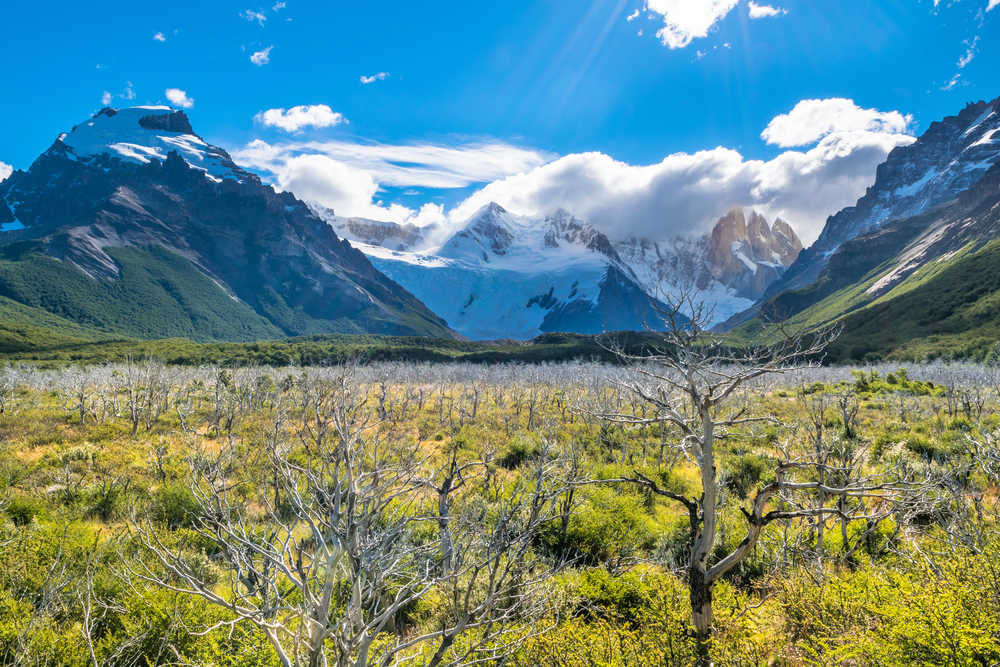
pixel 689 378
pixel 323 548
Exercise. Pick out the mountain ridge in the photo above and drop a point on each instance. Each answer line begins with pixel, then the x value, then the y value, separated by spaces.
pixel 557 263
pixel 261 248
pixel 947 159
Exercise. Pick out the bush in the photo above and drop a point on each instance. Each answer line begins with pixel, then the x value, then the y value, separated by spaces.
pixel 742 473
pixel 175 506
pixel 23 510
pixel 609 526
pixel 519 451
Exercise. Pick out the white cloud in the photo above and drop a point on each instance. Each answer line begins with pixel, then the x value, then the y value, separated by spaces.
pixel 347 176
pixel 5 171
pixel 106 99
pixel 317 178
pixel 686 193
pixel 251 15
pixel 129 92
pixel 993 3
pixel 811 120
pixel 970 51
pixel 160 37
pixel 633 16
pixel 764 11
pixel 381 76
pixel 685 20
pixel 952 82
pixel 404 165
pixel 278 6
pixel 262 57
pixel 296 118
pixel 179 98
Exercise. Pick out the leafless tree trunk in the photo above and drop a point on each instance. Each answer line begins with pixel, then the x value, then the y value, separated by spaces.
pixel 688 380
pixel 332 554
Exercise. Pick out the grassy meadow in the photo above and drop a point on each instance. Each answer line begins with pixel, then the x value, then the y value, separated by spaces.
pixel 407 513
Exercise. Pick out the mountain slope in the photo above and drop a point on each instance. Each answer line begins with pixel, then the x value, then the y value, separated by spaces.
pixel 924 285
pixel 505 276
pixel 947 159
pixel 165 235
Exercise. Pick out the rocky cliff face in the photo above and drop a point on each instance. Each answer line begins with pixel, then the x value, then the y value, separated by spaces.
pixel 728 268
pixel 139 177
pixel 748 254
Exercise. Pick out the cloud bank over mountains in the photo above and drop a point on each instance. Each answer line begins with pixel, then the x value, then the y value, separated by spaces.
pixel 833 147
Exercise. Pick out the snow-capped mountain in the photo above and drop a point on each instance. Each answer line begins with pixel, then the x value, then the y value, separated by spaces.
pixel 948 158
pixel 144 133
pixel 145 229
pixel 728 268
pixel 506 276
pixel 391 235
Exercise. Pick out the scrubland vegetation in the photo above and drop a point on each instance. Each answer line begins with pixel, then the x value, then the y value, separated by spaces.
pixel 562 514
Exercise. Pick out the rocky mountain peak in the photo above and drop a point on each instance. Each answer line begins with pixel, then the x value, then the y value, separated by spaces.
pixel 747 253
pixel 138 181
pixel 730 228
pixel 562 227
pixel 141 134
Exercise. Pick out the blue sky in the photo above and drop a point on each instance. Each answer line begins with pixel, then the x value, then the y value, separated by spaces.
pixel 476 93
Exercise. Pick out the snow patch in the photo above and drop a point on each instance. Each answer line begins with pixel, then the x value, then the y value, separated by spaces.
pixel 917 185
pixel 737 249
pixel 120 135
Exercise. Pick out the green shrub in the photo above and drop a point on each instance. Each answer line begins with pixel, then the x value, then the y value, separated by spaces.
pixel 23 510
pixel 608 526
pixel 742 473
pixel 175 506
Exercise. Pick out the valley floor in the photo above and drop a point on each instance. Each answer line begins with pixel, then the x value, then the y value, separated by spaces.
pixel 459 513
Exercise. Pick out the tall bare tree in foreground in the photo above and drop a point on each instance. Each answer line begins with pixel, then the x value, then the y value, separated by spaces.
pixel 689 379
pixel 326 546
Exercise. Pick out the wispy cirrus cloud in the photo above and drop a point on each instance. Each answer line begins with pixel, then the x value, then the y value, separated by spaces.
pixel 262 57
pixel 426 165
pixel 381 76
pixel 972 48
pixel 347 176
pixel 254 16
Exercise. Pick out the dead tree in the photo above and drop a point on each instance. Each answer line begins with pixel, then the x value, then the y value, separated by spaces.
pixel 688 379
pixel 333 554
